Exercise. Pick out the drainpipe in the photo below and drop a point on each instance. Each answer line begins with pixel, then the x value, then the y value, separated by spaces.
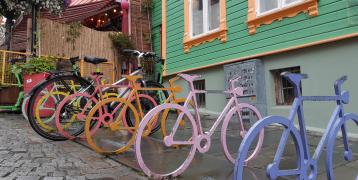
pixel 125 7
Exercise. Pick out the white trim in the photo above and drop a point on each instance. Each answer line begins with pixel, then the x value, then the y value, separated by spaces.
pixel 205 33
pixel 281 6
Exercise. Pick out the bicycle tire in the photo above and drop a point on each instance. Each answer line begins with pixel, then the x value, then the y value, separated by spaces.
pixel 37 94
pixel 24 105
pixel 109 123
pixel 332 140
pixel 147 103
pixel 161 162
pixel 251 136
pixel 224 128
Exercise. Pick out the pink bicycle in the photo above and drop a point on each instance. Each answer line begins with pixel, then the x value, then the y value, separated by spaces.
pixel 170 156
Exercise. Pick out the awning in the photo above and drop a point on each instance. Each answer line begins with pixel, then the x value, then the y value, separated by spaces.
pixel 84 9
pixel 79 2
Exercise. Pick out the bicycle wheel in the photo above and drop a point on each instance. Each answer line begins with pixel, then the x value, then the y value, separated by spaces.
pixel 110 134
pixel 236 123
pixel 72 112
pixel 146 103
pixel 45 99
pixel 164 116
pixel 341 125
pixel 160 158
pixel 25 103
pixel 273 169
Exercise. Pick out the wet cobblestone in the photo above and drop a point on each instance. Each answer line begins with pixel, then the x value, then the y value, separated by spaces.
pixel 26 156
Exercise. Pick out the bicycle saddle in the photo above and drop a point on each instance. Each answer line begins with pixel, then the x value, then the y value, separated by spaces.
pixel 94 60
pixel 188 77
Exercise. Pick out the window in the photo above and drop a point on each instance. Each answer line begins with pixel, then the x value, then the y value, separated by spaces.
pixel 266 11
pixel 266 6
pixel 200 85
pixel 205 20
pixel 283 88
pixel 205 16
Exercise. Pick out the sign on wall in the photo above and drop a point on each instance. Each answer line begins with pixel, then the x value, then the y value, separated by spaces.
pixel 252 80
pixel 247 71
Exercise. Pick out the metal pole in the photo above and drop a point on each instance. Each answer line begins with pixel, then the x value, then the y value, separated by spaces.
pixel 34 28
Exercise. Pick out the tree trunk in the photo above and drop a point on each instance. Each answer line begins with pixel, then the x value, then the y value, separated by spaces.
pixel 8 28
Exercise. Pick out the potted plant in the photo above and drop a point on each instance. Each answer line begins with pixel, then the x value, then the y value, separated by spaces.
pixel 34 72
pixel 122 41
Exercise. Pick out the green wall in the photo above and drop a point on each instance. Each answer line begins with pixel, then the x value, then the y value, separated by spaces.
pixel 214 80
pixel 335 19
pixel 324 64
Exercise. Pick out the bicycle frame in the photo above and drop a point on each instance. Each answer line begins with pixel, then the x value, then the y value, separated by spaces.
pixel 297 109
pixel 233 102
pixel 134 88
pixel 17 104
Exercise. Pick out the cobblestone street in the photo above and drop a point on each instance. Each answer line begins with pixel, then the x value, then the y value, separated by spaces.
pixel 25 155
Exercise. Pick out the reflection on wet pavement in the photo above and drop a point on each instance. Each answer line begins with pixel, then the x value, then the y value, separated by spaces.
pixel 213 165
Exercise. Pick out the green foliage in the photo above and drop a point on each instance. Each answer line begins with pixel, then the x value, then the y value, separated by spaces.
pixel 73 32
pixel 20 6
pixel 35 65
pixel 121 41
pixel 147 38
pixel 147 4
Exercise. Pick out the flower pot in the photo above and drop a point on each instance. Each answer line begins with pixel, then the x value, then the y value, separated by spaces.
pixel 30 81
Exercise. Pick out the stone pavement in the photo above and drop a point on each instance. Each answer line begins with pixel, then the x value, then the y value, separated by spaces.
pixel 25 155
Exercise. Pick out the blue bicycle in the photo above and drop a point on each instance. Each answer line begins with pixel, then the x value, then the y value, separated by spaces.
pixel 306 164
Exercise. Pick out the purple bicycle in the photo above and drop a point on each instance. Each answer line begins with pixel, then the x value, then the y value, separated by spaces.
pixel 306 164
pixel 170 156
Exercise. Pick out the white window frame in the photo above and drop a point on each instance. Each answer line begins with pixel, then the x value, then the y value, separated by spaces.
pixel 205 19
pixel 281 5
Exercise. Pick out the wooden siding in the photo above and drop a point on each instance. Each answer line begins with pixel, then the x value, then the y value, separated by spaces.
pixel 334 20
pixel 156 25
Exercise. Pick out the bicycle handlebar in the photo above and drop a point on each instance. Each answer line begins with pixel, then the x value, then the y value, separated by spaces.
pixel 14 60
pixel 141 55
pixel 338 83
pixel 73 60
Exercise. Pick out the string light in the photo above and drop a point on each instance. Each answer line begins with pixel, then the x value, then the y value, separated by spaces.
pixel 106 14
pixel 114 10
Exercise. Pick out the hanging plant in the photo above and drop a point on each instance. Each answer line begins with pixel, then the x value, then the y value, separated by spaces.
pixel 73 32
pixel 147 4
pixel 121 41
pixel 147 38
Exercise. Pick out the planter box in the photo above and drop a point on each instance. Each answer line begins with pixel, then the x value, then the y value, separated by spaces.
pixel 30 81
pixel 8 95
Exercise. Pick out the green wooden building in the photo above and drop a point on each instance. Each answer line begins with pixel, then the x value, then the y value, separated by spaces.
pixel 317 37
